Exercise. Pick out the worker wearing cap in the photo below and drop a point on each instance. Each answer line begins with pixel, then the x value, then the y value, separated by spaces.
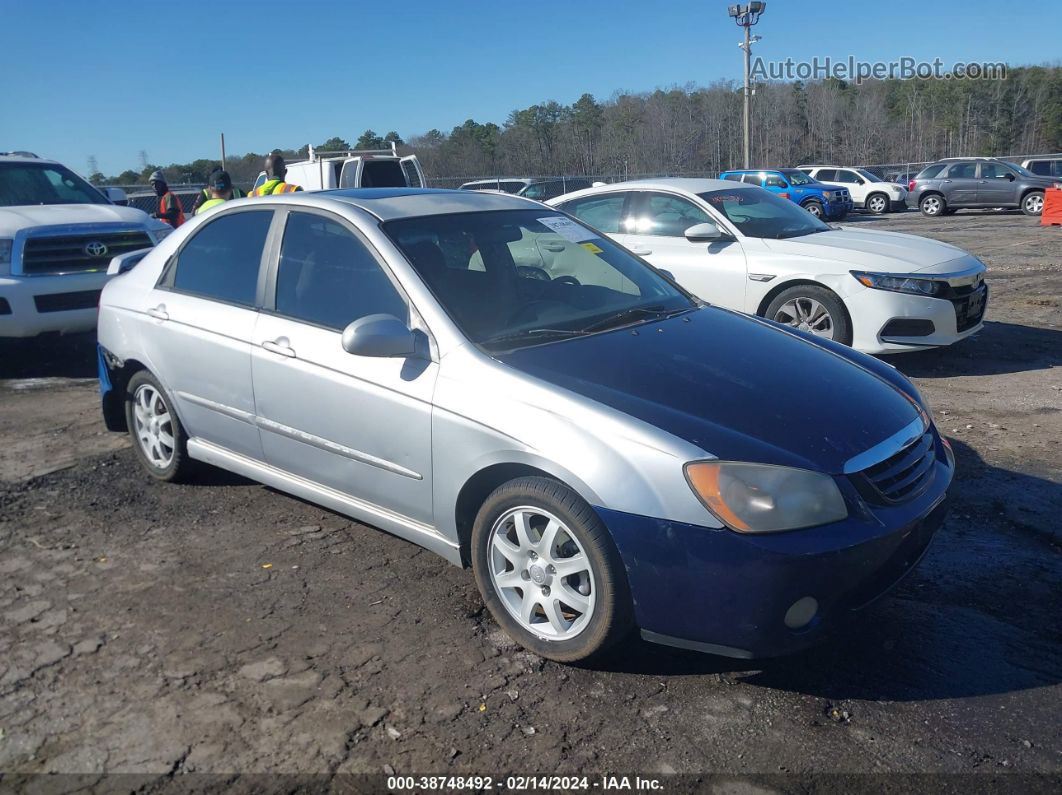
pixel 170 209
pixel 221 191
pixel 206 195
pixel 275 171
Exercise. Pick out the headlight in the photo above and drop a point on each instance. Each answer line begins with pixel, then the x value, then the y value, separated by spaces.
pixel 161 233
pixel 900 284
pixel 761 498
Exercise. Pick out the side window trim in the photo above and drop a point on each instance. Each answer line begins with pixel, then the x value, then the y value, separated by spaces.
pixel 169 271
pixel 273 268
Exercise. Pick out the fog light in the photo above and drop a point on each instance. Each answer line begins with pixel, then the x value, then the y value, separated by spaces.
pixel 801 612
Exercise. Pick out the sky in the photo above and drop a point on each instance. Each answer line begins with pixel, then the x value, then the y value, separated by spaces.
pixel 110 78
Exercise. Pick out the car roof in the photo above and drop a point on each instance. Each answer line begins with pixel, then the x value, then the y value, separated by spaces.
pixel 683 184
pixel 27 159
pixel 388 204
pixel 495 180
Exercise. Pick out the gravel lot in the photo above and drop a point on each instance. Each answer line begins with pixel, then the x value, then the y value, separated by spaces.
pixel 222 627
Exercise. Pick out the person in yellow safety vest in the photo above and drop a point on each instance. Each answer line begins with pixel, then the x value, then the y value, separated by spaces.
pixel 221 191
pixel 275 171
pixel 205 195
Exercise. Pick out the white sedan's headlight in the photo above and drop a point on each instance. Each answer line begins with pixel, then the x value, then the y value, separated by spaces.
pixel 762 498
pixel 900 284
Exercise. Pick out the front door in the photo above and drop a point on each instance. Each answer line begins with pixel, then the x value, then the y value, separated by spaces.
pixel 199 324
pixel 360 425
pixel 712 271
pixel 994 188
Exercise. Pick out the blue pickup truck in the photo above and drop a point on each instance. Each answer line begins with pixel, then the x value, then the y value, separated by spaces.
pixel 830 202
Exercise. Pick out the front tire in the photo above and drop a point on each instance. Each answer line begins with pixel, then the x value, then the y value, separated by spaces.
pixel 815 208
pixel 815 310
pixel 158 436
pixel 877 203
pixel 548 571
pixel 932 205
pixel 1033 203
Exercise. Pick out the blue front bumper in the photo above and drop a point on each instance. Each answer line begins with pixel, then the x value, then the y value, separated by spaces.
pixel 728 593
pixel 837 209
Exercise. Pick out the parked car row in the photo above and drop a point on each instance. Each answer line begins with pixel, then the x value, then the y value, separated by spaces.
pixel 953 184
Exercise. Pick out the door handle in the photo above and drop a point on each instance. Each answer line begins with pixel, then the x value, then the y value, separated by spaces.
pixel 159 312
pixel 281 346
pixel 554 247
pixel 945 180
pixel 641 251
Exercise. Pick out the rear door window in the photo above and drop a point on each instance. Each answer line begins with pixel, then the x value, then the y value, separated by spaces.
pixel 931 172
pixel 222 259
pixel 752 179
pixel 826 175
pixel 962 171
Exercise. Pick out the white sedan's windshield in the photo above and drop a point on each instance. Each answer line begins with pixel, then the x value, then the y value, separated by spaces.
pixel 759 213
pixel 30 183
pixel 517 277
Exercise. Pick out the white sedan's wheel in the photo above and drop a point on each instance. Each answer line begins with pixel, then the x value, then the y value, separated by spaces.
pixel 541 573
pixel 806 314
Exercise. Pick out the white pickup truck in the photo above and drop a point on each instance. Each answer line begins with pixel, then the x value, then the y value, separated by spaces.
pixel 57 237
pixel 354 168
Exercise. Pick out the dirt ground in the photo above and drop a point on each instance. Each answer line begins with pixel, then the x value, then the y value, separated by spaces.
pixel 222 627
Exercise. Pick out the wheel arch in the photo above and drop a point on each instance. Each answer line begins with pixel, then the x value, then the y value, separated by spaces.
pixel 874 193
pixel 778 289
pixel 114 399
pixel 478 487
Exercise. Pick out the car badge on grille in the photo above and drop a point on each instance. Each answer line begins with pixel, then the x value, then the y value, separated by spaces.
pixel 95 249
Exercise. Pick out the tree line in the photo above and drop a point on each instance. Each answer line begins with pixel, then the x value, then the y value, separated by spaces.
pixel 698 129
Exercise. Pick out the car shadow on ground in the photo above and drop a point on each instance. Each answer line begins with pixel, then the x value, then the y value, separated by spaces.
pixel 997 349
pixel 49 356
pixel 978 616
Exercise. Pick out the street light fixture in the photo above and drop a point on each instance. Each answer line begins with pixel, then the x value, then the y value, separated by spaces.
pixel 746 16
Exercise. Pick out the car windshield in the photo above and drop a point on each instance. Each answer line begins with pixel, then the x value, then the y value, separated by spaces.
pixel 869 176
pixel 44 183
pixel 798 177
pixel 513 278
pixel 760 213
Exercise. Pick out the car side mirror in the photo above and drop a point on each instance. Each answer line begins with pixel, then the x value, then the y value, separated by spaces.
pixel 117 195
pixel 126 262
pixel 1010 177
pixel 379 335
pixel 703 233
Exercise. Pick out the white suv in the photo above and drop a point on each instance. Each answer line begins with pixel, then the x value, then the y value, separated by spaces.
pixel 57 236
pixel 869 191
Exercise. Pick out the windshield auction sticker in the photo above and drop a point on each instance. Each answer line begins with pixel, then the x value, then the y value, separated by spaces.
pixel 567 228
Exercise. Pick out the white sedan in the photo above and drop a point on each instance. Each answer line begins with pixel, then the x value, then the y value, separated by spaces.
pixel 742 247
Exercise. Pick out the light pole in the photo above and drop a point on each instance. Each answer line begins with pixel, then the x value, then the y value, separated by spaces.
pixel 746 16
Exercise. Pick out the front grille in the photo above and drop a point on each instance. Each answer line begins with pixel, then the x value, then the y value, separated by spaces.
pixel 51 254
pixel 970 308
pixel 902 476
pixel 65 302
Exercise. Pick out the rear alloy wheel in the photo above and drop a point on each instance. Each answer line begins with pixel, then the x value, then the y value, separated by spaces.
pixel 815 208
pixel 1033 203
pixel 932 205
pixel 878 203
pixel 815 310
pixel 158 437
pixel 548 571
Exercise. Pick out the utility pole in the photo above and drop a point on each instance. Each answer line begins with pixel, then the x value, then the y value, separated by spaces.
pixel 223 151
pixel 746 16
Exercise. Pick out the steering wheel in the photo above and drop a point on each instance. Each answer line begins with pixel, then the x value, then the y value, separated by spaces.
pixel 567 279
pixel 532 272
pixel 533 310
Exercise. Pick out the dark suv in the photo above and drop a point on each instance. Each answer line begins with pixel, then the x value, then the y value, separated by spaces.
pixel 976 183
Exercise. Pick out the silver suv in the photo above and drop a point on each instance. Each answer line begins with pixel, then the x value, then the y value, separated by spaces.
pixel 976 183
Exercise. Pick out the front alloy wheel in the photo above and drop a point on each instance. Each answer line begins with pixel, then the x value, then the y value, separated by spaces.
pixel 548 570
pixel 1033 204
pixel 877 204
pixel 815 208
pixel 815 310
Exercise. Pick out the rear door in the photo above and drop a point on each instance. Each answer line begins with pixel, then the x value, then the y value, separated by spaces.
pixel 413 172
pixel 360 425
pixel 960 184
pixel 200 325
pixel 712 271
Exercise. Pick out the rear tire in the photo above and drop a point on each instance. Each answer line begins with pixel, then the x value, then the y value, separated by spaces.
pixel 816 310
pixel 815 208
pixel 932 205
pixel 1033 203
pixel 549 572
pixel 877 203
pixel 158 436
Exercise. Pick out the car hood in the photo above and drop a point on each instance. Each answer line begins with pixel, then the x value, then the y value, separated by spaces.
pixel 866 249
pixel 737 387
pixel 12 219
